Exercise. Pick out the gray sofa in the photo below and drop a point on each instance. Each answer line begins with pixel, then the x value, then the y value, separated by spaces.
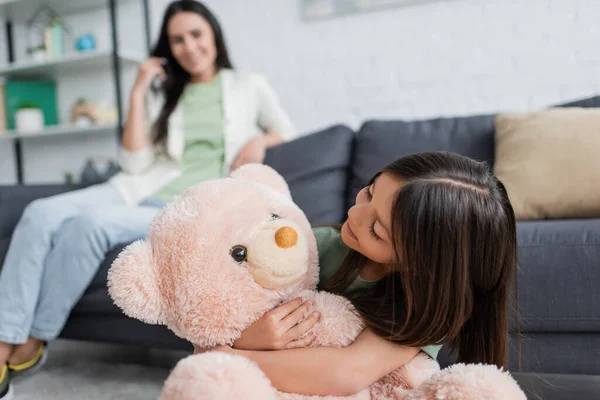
pixel 559 260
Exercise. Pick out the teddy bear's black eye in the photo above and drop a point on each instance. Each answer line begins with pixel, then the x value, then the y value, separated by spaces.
pixel 239 253
pixel 275 216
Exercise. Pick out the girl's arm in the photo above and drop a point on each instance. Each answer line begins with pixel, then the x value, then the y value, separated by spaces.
pixel 331 371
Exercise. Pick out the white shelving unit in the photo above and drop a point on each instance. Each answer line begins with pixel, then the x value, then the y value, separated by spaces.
pixel 22 9
pixel 65 65
pixel 64 129
pixel 60 68
pixel 71 63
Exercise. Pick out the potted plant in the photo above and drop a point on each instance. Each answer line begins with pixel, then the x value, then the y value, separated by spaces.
pixel 37 53
pixel 29 117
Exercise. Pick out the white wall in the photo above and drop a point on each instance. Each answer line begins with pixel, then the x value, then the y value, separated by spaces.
pixel 442 58
pixel 453 57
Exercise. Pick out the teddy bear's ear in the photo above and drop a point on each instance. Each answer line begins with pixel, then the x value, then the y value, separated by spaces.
pixel 132 283
pixel 263 174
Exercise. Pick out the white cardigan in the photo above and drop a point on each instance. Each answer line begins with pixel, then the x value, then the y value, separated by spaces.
pixel 249 102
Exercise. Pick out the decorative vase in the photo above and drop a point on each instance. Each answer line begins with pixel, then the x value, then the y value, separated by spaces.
pixel 85 43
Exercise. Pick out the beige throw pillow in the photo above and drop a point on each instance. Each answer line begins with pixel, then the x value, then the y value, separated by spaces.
pixel 549 162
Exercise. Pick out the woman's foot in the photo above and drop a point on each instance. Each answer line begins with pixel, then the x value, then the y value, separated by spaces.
pixel 25 352
pixel 27 357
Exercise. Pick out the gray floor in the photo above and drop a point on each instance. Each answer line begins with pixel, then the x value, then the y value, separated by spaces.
pixel 91 371
pixel 76 370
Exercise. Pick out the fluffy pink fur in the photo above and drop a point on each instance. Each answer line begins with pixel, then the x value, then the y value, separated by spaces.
pixel 466 381
pixel 136 284
pixel 184 276
pixel 219 376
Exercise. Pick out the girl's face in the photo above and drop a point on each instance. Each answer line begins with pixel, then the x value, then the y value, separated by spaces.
pixel 192 43
pixel 368 227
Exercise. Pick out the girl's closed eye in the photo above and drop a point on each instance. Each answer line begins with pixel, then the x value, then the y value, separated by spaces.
pixel 373 233
pixel 372 229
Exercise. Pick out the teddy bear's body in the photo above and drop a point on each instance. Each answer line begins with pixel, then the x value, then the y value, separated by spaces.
pixel 216 259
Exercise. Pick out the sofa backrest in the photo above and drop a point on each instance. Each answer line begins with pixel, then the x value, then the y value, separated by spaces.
pixel 326 169
pixel 315 167
pixel 378 143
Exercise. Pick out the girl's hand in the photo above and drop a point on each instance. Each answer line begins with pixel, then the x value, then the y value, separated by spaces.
pixel 253 152
pixel 146 72
pixel 279 328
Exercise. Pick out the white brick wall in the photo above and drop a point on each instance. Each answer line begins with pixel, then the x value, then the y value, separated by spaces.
pixel 453 57
pixel 443 58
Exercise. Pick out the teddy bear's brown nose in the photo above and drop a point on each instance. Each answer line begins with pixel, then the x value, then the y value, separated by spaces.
pixel 286 237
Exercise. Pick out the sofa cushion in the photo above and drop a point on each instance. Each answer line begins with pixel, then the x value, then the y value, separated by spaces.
pixel 548 161
pixel 316 169
pixel 559 271
pixel 380 142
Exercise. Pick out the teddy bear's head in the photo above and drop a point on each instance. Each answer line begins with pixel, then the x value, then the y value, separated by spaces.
pixel 218 257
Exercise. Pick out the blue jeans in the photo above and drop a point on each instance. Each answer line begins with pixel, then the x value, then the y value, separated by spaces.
pixel 55 252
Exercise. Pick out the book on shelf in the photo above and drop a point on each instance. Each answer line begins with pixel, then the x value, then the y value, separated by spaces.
pixel 3 119
pixel 30 92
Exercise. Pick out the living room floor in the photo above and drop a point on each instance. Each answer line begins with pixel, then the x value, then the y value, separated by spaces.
pixel 94 371
pixel 98 371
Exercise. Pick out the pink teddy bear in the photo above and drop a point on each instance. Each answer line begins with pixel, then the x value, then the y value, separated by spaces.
pixel 227 251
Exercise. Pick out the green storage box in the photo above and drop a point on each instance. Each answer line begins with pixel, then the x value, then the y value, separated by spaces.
pixel 41 93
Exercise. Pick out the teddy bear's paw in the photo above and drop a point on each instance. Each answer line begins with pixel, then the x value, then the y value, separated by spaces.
pixel 339 325
pixel 217 376
pixel 466 382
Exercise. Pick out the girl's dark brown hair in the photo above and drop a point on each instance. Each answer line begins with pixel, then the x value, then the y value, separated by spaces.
pixel 454 234
pixel 177 77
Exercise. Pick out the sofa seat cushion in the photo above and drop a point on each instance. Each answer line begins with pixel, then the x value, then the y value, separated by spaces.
pixel 381 142
pixel 559 275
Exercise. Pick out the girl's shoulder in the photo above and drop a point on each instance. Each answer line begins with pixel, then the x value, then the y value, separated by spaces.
pixel 326 237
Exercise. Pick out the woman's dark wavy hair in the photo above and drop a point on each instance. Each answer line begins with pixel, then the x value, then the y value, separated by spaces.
pixel 454 235
pixel 177 77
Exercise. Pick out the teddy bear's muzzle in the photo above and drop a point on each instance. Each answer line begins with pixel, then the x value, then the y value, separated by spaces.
pixel 278 256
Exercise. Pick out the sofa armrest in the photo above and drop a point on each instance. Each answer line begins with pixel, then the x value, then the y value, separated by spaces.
pixel 14 199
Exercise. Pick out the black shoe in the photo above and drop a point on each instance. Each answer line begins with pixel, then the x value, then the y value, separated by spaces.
pixel 5 390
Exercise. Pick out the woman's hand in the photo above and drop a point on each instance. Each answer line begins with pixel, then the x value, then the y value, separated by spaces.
pixel 280 328
pixel 253 152
pixel 146 72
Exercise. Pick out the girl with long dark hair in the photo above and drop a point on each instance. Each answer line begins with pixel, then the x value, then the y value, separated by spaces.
pixel 427 256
